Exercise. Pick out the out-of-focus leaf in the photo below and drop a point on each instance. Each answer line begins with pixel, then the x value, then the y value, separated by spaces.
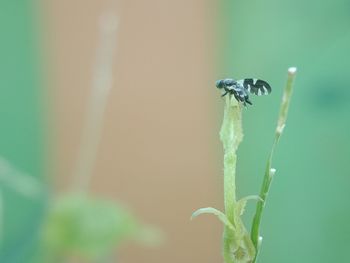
pixel 87 227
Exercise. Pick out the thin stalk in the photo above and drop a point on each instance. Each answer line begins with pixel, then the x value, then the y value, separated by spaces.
pixel 102 84
pixel 231 135
pixel 269 172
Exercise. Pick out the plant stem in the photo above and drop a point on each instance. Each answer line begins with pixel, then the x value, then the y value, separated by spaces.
pixel 269 172
pixel 231 135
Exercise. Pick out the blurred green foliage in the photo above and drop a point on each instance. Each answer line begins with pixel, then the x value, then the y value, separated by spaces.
pixel 81 226
pixel 308 208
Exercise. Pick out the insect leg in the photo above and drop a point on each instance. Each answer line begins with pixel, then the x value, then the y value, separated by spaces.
pixel 224 94
pixel 248 101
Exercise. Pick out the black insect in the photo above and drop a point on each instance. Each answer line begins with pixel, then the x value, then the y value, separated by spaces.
pixel 241 88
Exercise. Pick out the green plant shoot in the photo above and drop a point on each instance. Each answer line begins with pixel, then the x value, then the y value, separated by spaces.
pixel 240 246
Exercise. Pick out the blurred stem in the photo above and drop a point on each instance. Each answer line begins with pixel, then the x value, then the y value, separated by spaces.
pixel 102 83
pixel 269 172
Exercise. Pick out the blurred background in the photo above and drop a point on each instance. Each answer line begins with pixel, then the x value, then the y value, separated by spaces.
pixel 110 119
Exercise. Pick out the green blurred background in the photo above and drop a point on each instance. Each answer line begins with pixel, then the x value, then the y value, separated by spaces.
pixel 22 136
pixel 159 152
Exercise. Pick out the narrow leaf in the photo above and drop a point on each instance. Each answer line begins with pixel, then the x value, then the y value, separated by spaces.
pixel 243 201
pixel 269 172
pixel 210 210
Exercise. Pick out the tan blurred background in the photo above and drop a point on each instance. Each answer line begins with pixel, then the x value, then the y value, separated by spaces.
pixel 156 153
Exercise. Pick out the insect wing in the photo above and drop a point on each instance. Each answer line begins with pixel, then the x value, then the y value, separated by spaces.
pixel 256 86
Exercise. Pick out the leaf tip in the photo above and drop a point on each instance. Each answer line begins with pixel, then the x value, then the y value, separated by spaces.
pixel 292 71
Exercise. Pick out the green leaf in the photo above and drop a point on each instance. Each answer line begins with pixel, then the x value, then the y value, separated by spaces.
pixel 270 172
